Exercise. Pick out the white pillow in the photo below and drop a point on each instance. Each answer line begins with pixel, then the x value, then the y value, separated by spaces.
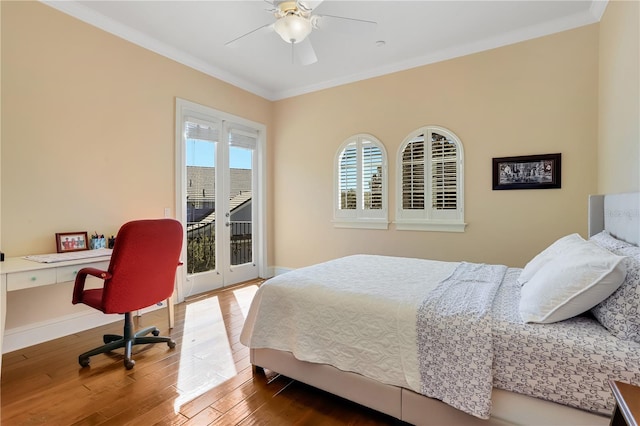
pixel 548 254
pixel 573 282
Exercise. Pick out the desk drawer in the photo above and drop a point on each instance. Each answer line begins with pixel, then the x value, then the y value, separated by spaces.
pixel 68 273
pixel 28 279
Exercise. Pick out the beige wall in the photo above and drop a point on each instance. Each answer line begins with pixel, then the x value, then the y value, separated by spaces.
pixel 619 95
pixel 534 97
pixel 87 135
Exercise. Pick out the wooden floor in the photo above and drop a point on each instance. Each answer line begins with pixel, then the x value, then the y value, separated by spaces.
pixel 206 380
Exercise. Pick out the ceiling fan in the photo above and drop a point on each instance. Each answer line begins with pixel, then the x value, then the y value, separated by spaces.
pixel 295 21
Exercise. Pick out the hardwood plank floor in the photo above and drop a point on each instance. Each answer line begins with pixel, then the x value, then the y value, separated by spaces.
pixel 206 380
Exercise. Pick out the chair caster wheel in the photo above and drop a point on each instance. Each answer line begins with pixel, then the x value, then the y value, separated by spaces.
pixel 171 344
pixel 156 332
pixel 84 362
pixel 129 363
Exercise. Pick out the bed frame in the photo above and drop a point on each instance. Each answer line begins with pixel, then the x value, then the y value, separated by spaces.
pixel 619 214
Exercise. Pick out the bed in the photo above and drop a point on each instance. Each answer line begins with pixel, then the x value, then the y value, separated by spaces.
pixel 409 337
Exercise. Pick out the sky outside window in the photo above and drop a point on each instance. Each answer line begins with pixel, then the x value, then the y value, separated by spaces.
pixel 202 153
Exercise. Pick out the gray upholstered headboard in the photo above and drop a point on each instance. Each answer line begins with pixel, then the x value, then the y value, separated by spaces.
pixel 619 214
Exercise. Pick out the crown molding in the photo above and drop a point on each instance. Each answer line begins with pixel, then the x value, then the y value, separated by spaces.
pixel 597 8
pixel 107 24
pixel 520 35
pixel 77 10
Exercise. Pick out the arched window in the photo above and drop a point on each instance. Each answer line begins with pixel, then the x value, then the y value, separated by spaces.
pixel 360 196
pixel 430 195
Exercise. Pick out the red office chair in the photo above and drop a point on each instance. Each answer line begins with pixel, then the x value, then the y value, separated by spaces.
pixel 141 273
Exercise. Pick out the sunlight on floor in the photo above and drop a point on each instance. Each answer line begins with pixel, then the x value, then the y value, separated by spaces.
pixel 244 296
pixel 206 359
pixel 205 338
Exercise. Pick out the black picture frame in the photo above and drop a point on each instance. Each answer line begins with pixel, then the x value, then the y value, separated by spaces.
pixel 527 172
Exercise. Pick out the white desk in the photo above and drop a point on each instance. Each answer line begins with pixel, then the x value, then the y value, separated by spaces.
pixel 17 273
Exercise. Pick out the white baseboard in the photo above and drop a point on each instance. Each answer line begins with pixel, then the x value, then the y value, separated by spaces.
pixel 272 271
pixel 279 270
pixel 32 334
pixel 269 273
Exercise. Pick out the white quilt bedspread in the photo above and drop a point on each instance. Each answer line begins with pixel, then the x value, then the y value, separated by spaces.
pixel 371 328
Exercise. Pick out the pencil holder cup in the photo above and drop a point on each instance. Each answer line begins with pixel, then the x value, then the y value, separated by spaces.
pixel 97 243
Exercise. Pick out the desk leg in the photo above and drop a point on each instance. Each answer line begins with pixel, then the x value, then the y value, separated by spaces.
pixel 3 309
pixel 170 310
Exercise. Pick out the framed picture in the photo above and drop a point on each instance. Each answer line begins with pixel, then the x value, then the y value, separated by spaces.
pixel 527 172
pixel 71 241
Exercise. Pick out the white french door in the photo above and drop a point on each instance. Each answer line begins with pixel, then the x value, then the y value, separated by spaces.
pixel 219 165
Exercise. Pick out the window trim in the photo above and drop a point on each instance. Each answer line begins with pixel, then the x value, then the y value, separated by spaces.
pixel 427 219
pixel 360 218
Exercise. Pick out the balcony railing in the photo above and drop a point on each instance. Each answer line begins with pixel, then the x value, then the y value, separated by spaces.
pixel 241 242
pixel 201 248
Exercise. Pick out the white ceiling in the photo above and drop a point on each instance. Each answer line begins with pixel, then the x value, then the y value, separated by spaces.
pixel 415 33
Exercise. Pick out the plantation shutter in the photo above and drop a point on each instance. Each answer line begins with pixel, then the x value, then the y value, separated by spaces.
pixel 444 173
pixel 430 192
pixel 371 176
pixel 348 180
pixel 360 191
pixel 413 177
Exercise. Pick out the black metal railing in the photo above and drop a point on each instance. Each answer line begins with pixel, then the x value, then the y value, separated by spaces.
pixel 241 242
pixel 201 248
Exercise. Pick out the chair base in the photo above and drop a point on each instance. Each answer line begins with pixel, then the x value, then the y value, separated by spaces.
pixel 127 341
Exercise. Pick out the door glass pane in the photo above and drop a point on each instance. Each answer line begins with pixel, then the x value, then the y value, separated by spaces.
pixel 240 204
pixel 201 205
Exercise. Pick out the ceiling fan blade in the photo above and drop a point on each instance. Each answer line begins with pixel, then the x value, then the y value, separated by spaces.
pixel 303 52
pixel 308 5
pixel 259 29
pixel 273 8
pixel 343 24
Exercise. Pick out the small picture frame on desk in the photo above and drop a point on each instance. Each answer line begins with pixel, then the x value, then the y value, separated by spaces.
pixel 71 241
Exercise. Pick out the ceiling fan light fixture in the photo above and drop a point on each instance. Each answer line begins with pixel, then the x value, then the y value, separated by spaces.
pixel 293 28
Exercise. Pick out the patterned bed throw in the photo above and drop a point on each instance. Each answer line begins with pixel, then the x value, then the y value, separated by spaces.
pixel 455 347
